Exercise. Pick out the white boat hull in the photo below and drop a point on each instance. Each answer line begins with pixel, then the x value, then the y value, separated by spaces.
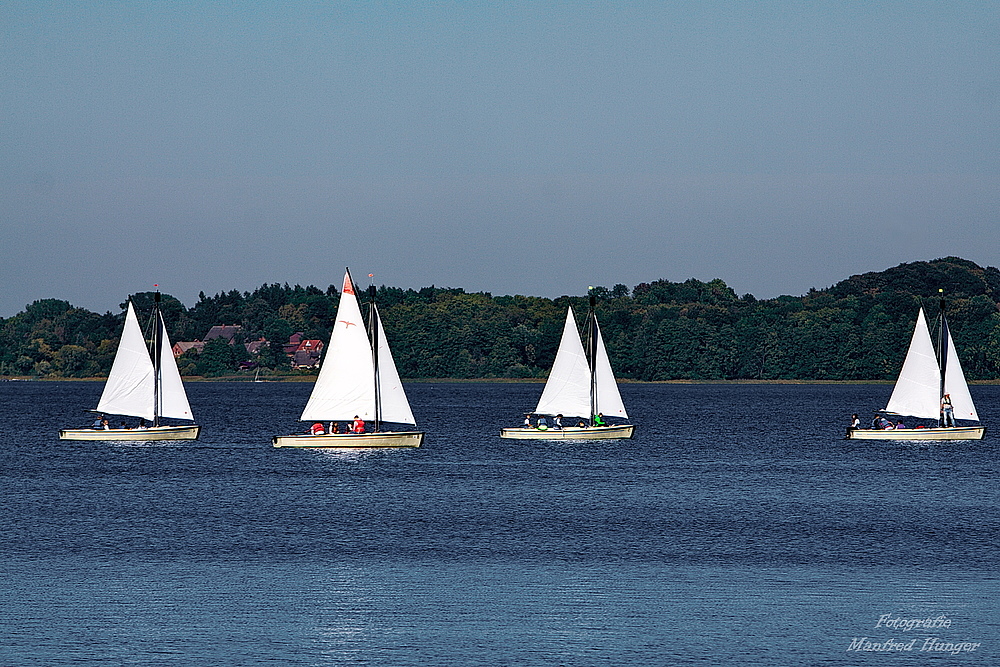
pixel 624 431
pixel 944 433
pixel 352 440
pixel 134 435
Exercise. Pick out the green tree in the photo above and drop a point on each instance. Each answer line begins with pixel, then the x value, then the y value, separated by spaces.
pixel 71 361
pixel 218 358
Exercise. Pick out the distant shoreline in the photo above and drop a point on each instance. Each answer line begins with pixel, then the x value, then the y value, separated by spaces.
pixel 312 378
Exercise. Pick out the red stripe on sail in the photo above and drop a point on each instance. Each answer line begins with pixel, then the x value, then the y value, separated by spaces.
pixel 348 287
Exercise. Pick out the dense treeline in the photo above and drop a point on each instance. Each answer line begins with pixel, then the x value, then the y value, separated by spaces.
pixel 857 329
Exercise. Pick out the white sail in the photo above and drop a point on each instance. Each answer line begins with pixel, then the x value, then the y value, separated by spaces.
pixel 608 399
pixel 173 399
pixel 567 391
pixel 346 383
pixel 392 399
pixel 129 389
pixel 956 386
pixel 917 390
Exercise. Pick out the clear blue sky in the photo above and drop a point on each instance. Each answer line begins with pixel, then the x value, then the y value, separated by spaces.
pixel 518 147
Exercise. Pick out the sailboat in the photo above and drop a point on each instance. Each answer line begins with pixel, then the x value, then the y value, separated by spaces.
pixel 144 386
pixel 581 384
pixel 924 381
pixel 357 380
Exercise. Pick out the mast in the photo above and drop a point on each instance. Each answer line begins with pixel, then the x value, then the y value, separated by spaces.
pixel 942 353
pixel 592 354
pixel 157 356
pixel 373 335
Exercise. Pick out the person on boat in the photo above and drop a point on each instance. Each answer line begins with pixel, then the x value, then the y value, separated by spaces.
pixel 543 423
pixel 900 424
pixel 124 425
pixel 98 423
pixel 582 424
pixel 359 424
pixel 333 428
pixel 527 422
pixel 599 420
pixel 557 422
pixel 104 424
pixel 317 429
pixel 885 424
pixel 855 422
pixel 947 411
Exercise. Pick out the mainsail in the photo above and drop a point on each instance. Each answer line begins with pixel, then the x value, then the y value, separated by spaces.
pixel 173 399
pixel 956 386
pixel 607 398
pixel 393 406
pixel 346 386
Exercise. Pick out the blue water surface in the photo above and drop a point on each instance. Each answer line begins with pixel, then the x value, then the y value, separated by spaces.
pixel 737 528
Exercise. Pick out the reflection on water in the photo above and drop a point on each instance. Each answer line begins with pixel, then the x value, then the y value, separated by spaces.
pixel 354 454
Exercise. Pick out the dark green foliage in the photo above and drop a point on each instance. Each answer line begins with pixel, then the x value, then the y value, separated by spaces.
pixel 857 329
pixel 219 358
pixel 32 342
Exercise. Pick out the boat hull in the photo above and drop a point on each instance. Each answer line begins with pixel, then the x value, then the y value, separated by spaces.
pixel 945 433
pixel 133 435
pixel 623 432
pixel 351 440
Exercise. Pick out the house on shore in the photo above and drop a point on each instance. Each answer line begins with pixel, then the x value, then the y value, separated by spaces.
pixel 182 346
pixel 302 352
pixel 226 332
pixel 307 353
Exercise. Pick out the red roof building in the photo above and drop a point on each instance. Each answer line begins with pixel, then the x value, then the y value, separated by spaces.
pixel 182 346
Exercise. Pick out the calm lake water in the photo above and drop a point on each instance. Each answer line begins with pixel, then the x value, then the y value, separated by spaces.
pixel 737 528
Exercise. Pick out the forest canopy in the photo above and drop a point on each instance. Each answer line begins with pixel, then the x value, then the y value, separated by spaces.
pixel 857 329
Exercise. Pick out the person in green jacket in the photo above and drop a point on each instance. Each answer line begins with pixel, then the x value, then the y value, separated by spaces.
pixel 599 420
